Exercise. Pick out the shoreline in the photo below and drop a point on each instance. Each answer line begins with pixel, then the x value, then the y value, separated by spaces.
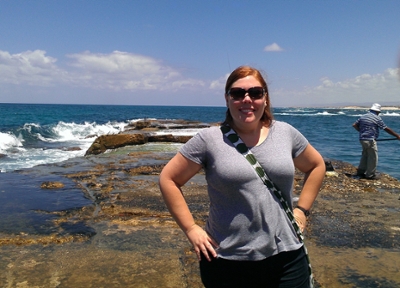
pixel 116 236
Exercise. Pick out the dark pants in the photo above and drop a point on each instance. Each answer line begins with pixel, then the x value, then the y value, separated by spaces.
pixel 286 269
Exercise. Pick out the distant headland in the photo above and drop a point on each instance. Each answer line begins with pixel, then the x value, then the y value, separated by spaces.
pixel 349 107
pixel 367 107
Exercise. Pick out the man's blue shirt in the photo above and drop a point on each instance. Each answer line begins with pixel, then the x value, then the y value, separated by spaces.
pixel 369 125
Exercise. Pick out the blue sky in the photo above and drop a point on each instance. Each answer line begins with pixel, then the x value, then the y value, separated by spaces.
pixel 314 53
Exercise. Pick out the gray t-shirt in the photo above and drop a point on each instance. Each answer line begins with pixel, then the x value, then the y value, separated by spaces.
pixel 245 219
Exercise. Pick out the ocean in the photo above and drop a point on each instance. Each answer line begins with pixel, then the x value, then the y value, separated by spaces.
pixel 36 134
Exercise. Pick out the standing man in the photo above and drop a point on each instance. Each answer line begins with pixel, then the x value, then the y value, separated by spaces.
pixel 368 126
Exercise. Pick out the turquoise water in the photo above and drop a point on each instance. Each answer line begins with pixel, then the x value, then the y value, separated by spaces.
pixel 33 134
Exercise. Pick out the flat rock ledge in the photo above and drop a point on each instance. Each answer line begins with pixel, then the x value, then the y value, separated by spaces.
pixel 142 132
pixel 127 237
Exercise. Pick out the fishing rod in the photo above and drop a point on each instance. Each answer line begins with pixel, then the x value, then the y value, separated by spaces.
pixel 386 139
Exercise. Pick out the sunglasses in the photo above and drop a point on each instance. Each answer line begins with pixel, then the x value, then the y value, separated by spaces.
pixel 238 94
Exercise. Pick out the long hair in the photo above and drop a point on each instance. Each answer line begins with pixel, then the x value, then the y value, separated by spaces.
pixel 240 73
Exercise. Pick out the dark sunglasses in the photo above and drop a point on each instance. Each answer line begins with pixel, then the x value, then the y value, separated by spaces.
pixel 238 94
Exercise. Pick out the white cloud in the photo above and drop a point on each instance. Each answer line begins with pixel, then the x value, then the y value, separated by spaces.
pixel 114 71
pixel 29 67
pixel 365 88
pixel 219 84
pixel 273 48
pixel 121 71
pixel 188 84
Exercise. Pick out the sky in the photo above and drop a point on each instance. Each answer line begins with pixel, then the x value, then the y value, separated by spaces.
pixel 312 53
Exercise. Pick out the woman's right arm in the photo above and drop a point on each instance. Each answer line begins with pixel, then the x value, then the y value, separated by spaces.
pixel 174 175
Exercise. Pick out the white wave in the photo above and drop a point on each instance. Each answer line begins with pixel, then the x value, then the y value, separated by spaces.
pixel 299 110
pixel 67 132
pixel 390 114
pixel 28 158
pixel 306 114
pixel 141 119
pixel 325 113
pixel 8 141
pixel 179 132
pixel 28 126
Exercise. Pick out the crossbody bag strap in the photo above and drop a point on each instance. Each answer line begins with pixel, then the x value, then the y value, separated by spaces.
pixel 245 151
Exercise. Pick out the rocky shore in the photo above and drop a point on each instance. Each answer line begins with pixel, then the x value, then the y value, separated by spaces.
pixel 117 232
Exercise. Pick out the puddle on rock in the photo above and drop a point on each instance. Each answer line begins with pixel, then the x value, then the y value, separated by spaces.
pixel 26 208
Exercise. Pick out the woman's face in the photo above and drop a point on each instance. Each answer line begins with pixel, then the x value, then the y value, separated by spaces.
pixel 246 110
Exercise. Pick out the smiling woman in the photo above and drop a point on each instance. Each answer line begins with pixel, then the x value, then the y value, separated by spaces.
pixel 248 227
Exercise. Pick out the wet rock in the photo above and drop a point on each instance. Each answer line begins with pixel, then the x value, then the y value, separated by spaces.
pixel 142 124
pixel 146 170
pixel 352 221
pixel 105 142
pixel 72 149
pixel 166 124
pixel 91 136
pixel 131 136
pixel 169 138
pixel 51 185
pixel 2 155
pixel 80 229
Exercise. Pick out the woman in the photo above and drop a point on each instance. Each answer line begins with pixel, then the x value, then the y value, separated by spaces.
pixel 248 240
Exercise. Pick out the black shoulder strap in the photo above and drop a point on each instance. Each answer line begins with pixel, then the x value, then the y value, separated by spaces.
pixel 244 150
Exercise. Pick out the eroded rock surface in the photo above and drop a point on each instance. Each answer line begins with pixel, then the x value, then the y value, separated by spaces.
pixel 127 238
pixel 134 137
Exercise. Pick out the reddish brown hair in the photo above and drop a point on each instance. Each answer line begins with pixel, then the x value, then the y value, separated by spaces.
pixel 240 73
